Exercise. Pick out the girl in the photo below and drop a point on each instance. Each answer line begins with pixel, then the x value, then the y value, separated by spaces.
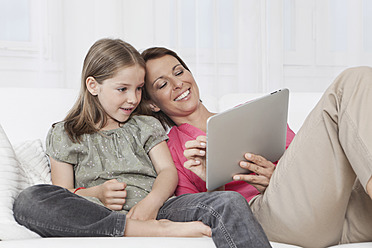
pixel 104 157
pixel 319 194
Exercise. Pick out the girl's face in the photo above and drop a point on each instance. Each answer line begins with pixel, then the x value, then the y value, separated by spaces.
pixel 121 94
pixel 171 87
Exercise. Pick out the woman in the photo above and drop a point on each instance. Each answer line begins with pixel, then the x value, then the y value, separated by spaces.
pixel 317 195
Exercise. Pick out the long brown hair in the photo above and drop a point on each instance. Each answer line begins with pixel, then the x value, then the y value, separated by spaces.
pixel 103 60
pixel 155 53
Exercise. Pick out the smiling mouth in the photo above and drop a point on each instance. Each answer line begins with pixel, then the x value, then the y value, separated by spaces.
pixel 183 95
pixel 127 109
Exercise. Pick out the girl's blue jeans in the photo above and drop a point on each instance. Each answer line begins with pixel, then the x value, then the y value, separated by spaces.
pixel 52 211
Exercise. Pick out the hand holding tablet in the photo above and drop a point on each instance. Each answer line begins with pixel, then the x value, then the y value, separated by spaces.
pixel 258 126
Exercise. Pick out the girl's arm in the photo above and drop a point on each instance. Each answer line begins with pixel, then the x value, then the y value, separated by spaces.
pixel 111 193
pixel 62 174
pixel 164 185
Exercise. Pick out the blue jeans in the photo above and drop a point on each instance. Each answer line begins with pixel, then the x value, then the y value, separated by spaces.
pixel 52 211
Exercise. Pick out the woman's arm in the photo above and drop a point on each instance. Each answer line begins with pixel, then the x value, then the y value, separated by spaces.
pixel 195 154
pixel 164 185
pixel 111 193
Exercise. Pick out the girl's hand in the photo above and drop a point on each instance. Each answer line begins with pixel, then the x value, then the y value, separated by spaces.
pixel 195 154
pixel 262 168
pixel 146 209
pixel 112 194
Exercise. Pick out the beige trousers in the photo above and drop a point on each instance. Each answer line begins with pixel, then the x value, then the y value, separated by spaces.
pixel 316 196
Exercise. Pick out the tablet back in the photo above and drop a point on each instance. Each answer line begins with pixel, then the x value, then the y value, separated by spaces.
pixel 258 126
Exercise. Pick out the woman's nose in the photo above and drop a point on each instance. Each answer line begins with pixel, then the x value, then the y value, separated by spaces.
pixel 177 83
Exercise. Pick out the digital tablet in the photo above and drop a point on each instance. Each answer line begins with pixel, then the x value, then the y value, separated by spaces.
pixel 258 126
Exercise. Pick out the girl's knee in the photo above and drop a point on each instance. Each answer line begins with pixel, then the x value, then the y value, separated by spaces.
pixel 232 200
pixel 36 193
pixel 232 196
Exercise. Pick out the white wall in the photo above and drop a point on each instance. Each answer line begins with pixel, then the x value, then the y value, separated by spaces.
pixel 230 45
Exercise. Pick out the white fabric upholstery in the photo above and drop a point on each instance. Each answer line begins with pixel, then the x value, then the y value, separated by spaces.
pixel 27 114
pixel 137 242
pixel 12 181
pixel 33 162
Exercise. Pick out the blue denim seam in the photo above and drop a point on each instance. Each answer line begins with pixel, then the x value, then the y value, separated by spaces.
pixel 119 227
pixel 221 226
pixel 214 213
pixel 68 230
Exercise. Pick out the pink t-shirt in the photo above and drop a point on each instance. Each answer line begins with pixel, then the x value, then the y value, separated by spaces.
pixel 188 182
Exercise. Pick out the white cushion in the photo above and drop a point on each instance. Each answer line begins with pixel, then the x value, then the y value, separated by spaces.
pixel 12 181
pixel 33 162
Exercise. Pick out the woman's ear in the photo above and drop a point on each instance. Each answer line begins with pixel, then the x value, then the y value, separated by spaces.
pixel 153 107
pixel 92 85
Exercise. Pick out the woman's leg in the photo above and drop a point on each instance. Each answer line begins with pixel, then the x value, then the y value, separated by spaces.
pixel 309 193
pixel 358 217
pixel 227 213
pixel 52 211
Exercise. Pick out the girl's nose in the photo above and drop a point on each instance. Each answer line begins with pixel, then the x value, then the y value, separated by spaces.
pixel 132 98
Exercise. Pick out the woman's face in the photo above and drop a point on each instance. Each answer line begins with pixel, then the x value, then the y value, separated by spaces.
pixel 171 87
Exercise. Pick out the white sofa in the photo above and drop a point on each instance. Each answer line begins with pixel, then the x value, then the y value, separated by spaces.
pixel 25 117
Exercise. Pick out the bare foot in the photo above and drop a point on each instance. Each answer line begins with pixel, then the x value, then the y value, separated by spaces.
pixel 185 229
pixel 166 228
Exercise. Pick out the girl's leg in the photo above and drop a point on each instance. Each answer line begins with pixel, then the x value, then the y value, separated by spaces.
pixel 308 196
pixel 227 213
pixel 165 228
pixel 52 211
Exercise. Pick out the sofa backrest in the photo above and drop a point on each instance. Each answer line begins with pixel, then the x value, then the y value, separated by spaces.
pixel 28 113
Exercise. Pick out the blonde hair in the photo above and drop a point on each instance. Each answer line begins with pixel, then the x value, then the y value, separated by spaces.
pixel 103 60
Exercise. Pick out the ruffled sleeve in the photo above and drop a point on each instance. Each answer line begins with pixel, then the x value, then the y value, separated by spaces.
pixel 151 132
pixel 60 147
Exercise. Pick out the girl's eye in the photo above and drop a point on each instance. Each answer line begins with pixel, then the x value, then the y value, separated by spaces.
pixel 122 89
pixel 140 88
pixel 163 85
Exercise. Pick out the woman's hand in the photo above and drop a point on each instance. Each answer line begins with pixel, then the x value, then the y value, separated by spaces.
pixel 112 194
pixel 262 168
pixel 195 154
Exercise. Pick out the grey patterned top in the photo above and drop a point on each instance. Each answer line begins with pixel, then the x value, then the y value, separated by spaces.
pixel 120 153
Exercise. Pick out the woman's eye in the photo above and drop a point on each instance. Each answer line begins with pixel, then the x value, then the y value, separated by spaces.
pixel 163 85
pixel 122 89
pixel 139 88
pixel 179 73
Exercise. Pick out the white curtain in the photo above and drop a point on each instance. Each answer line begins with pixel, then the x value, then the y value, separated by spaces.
pixel 224 42
pixel 231 46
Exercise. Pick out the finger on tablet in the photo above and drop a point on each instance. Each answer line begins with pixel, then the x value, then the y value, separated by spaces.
pixel 191 153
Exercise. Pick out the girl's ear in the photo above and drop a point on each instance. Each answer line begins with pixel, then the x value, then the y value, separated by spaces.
pixel 92 85
pixel 153 107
